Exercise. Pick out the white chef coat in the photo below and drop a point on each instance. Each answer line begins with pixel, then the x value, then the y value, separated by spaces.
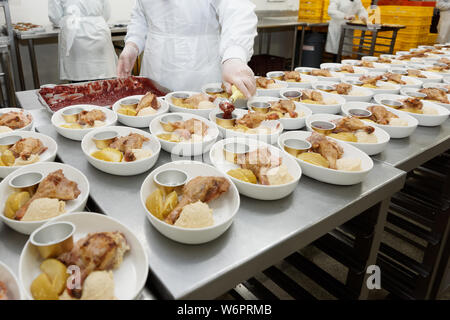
pixel 86 51
pixel 185 42
pixel 444 21
pixel 338 10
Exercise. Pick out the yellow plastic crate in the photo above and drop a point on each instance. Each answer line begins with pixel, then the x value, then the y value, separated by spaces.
pixel 432 38
pixel 311 4
pixel 407 21
pixel 408 11
pixel 310 13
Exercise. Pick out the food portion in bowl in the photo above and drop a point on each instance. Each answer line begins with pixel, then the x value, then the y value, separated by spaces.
pixel 128 148
pixel 343 89
pixel 23 152
pixel 43 200
pixel 186 206
pixel 93 259
pixel 192 130
pixel 435 95
pixel 416 73
pixel 288 76
pixel 349 129
pixel 14 120
pixel 267 83
pixel 82 119
pixel 148 105
pixel 413 105
pixel 327 153
pixel 278 109
pixel 194 101
pixel 396 78
pixel 316 97
pixel 382 116
pixel 375 82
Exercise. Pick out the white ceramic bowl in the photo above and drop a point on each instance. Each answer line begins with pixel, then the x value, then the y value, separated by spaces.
pixel 430 77
pixel 288 123
pixel 358 70
pixel 257 191
pixel 10 280
pixel 173 108
pixel 122 168
pixel 27 227
pixel 329 108
pixel 395 132
pixel 435 85
pixel 425 120
pixel 186 148
pixel 29 126
pixel 343 178
pixel 139 121
pixel 239 103
pixel 227 133
pixel 377 67
pixel 369 148
pixel 357 93
pixel 78 134
pixel 336 77
pixel 129 278
pixel 275 92
pixel 306 82
pixel 47 156
pixel 404 92
pixel 390 87
pixel 224 208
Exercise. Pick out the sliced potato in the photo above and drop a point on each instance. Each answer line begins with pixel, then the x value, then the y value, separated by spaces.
pixel 8 158
pixel 127 111
pixel 344 136
pixel 155 204
pixel 243 175
pixel 169 137
pixel 42 288
pixel 314 158
pixel 108 154
pixel 20 199
pixel 57 272
pixel 170 203
pixel 9 210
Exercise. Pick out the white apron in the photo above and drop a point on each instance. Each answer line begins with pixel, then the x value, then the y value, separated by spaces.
pixel 444 27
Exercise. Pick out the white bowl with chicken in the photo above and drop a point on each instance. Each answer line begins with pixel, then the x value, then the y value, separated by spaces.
pixel 9 285
pixel 189 138
pixel 347 157
pixel 433 114
pixel 355 94
pixel 15 119
pixel 336 67
pixel 146 113
pixel 319 74
pixel 239 102
pixel 266 87
pixel 196 103
pixel 370 66
pixel 260 128
pixel 224 203
pixel 305 82
pixel 33 147
pixel 137 155
pixel 371 143
pixel 434 94
pixel 403 126
pixel 75 131
pixel 292 119
pixel 380 86
pixel 406 82
pixel 424 76
pixel 276 178
pixel 330 103
pixel 118 246
pixel 68 184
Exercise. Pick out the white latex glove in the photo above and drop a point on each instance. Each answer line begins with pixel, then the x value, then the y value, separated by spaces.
pixel 127 60
pixel 350 18
pixel 236 72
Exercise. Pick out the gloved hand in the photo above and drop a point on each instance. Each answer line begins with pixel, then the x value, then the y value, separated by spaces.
pixel 236 72
pixel 350 18
pixel 127 60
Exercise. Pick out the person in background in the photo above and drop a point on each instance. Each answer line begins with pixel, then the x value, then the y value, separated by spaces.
pixel 86 51
pixel 187 44
pixel 342 11
pixel 444 21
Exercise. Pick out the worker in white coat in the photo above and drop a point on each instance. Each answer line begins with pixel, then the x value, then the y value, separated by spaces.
pixel 86 51
pixel 187 44
pixel 444 21
pixel 342 11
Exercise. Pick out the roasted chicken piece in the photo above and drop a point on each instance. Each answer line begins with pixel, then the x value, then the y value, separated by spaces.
pixel 367 64
pixel 127 143
pixel 264 82
pixel 347 68
pixel 350 124
pixel 412 103
pixel 89 117
pixel 343 88
pixel 312 95
pixel 3 291
pixel 253 119
pixel 97 251
pixel 321 73
pixel 285 106
pixel 445 60
pixel 394 77
pixel 415 73
pixel 435 94
pixel 192 126
pixel 384 60
pixel 259 162
pixel 54 186
pixel 14 120
pixel 203 189
pixel 370 80
pixel 24 148
pixel 292 76
pixel 195 99
pixel 329 149
pixel 381 115
pixel 149 100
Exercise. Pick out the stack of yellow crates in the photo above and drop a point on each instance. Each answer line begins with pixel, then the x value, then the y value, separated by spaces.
pixel 326 3
pixel 310 10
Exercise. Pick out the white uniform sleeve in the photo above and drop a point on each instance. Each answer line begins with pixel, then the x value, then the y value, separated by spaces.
pixel 106 10
pixel 239 24
pixel 55 11
pixel 362 12
pixel 334 12
pixel 443 5
pixel 138 28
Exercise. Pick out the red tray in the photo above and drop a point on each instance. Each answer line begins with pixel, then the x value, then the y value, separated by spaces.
pixel 406 3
